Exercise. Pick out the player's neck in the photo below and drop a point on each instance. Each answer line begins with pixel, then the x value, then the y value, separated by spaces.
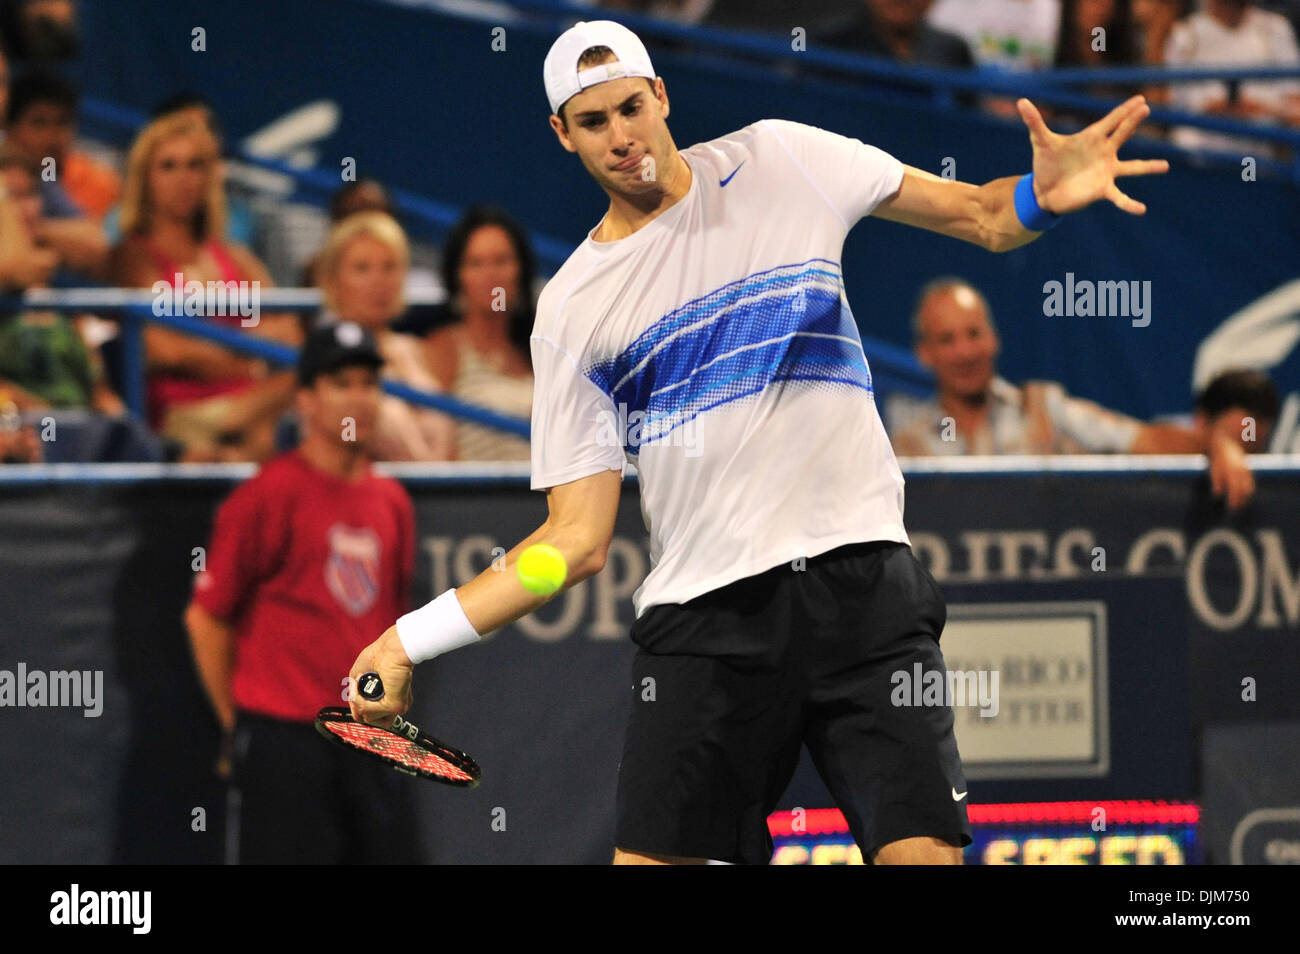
pixel 343 462
pixel 630 213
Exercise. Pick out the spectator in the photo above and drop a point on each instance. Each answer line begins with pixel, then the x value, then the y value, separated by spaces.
pixel 1241 403
pixel 40 126
pixel 241 222
pixel 779 17
pixel 306 560
pixel 1094 33
pixel 977 412
pixel 686 12
pixel 51 368
pixel 484 356
pixel 368 195
pixel 1287 8
pixel 18 441
pixel 1153 21
pixel 361 269
pixel 23 262
pixel 1008 34
pixel 896 29
pixel 4 86
pixel 41 30
pixel 1080 43
pixel 361 195
pixel 44 361
pixel 218 405
pixel 1228 33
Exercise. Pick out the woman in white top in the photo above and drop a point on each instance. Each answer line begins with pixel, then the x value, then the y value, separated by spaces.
pixel 483 357
pixel 361 272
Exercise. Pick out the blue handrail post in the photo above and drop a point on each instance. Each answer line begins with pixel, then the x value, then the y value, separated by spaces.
pixel 133 369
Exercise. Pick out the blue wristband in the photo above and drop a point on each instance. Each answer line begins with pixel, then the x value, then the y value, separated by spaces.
pixel 1032 216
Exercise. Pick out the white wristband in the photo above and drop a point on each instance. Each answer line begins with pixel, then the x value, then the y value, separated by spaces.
pixel 437 627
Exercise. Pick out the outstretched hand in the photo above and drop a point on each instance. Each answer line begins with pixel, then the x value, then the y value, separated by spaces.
pixel 1074 171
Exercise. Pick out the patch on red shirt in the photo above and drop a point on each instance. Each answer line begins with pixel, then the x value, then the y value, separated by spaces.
pixel 352 569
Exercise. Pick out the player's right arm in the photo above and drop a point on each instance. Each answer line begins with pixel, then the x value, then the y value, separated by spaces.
pixel 580 524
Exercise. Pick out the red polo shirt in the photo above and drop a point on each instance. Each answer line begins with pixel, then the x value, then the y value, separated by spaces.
pixel 309 569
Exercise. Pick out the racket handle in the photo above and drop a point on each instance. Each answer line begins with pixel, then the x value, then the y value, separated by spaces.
pixel 370 686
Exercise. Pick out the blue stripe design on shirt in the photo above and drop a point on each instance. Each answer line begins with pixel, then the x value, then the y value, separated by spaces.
pixel 786 324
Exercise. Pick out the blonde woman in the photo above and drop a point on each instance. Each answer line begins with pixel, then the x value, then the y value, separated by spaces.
pixel 361 272
pixel 220 405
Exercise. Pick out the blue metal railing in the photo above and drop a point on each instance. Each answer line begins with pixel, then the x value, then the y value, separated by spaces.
pixel 137 309
pixel 892 367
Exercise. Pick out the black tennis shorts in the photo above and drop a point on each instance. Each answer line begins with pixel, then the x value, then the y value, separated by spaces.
pixel 728 686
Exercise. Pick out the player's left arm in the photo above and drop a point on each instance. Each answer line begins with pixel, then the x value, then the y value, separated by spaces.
pixel 1070 173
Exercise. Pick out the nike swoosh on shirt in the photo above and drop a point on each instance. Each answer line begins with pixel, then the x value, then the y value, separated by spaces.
pixel 956 797
pixel 724 182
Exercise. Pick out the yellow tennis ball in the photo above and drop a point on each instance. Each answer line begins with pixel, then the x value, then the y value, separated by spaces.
pixel 542 569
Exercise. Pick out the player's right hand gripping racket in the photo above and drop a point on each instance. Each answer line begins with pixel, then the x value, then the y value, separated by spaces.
pixel 403 747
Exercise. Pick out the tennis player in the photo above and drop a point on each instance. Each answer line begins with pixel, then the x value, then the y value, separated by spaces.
pixel 702 332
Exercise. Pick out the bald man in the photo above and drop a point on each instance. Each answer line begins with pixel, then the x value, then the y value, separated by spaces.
pixel 977 412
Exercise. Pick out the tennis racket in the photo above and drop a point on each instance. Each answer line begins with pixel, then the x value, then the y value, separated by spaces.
pixel 403 746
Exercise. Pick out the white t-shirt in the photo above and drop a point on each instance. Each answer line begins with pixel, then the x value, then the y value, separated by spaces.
pixel 1012 34
pixel 1261 39
pixel 714 348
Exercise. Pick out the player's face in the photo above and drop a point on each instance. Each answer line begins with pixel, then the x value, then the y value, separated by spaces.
pixel 960 345
pixel 489 270
pixel 367 285
pixel 344 405
pixel 619 131
pixel 178 176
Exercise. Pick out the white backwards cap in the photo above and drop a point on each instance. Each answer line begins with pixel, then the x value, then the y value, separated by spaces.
pixel 563 80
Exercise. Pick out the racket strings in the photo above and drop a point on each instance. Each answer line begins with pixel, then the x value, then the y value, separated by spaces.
pixel 397 749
